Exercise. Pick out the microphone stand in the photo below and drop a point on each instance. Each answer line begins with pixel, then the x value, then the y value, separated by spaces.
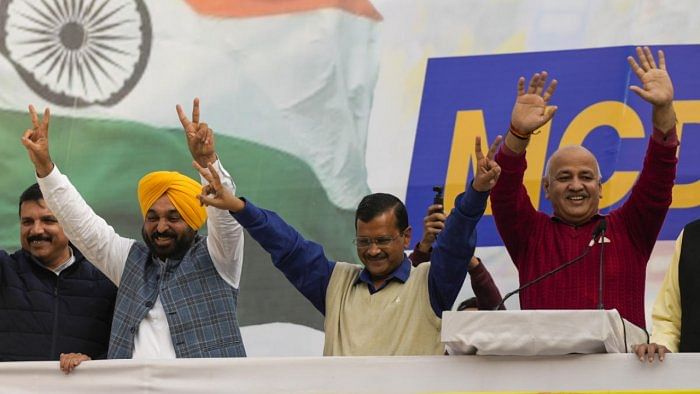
pixel 600 229
pixel 601 265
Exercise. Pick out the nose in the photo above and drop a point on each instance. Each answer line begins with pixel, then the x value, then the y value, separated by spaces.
pixel 37 228
pixel 576 184
pixel 373 249
pixel 163 225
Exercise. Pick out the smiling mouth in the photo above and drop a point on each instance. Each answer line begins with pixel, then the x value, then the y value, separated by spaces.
pixel 162 241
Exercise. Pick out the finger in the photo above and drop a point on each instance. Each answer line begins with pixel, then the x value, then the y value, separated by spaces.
pixel 209 137
pixel 45 121
pixel 650 57
pixel 541 83
pixel 195 110
pixel 435 208
pixel 635 67
pixel 186 124
pixel 662 352
pixel 643 62
pixel 521 86
pixel 477 148
pixel 662 60
pixel 202 132
pixel 533 83
pixel 650 352
pixel 494 147
pixel 639 350
pixel 435 226
pixel 549 112
pixel 641 92
pixel 202 171
pixel 550 91
pixel 216 180
pixel 33 116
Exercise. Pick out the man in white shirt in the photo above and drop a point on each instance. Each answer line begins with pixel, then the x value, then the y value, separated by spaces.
pixel 177 290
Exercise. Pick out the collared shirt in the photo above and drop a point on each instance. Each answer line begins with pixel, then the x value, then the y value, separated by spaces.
pixel 108 251
pixel 401 274
pixel 666 313
pixel 65 264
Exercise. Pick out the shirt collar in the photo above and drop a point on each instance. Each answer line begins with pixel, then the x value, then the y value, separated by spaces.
pixel 401 273
pixel 65 264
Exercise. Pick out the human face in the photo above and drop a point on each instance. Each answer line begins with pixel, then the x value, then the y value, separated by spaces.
pixel 573 185
pixel 165 232
pixel 381 261
pixel 41 235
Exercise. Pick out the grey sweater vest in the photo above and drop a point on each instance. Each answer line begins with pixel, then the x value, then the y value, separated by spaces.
pixel 199 305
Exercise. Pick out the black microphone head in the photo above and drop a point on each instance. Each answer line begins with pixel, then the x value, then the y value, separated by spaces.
pixel 600 228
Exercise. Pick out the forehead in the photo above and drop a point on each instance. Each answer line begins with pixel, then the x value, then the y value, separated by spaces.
pixel 573 160
pixel 162 205
pixel 383 224
pixel 34 209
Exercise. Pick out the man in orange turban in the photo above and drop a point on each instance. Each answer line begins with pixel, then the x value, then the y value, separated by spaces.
pixel 178 290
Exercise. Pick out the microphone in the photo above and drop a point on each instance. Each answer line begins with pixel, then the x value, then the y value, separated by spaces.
pixel 597 232
pixel 602 226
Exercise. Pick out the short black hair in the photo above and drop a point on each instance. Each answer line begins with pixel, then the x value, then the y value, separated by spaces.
pixel 468 303
pixel 376 204
pixel 33 193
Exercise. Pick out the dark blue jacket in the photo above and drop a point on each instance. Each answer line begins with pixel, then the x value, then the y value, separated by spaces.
pixel 43 314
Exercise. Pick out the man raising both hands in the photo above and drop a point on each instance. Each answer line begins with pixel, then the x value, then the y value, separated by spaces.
pixel 572 182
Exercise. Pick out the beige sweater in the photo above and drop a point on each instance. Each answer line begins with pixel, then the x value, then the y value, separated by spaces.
pixel 398 320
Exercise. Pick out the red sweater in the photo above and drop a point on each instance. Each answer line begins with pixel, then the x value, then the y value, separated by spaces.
pixel 538 243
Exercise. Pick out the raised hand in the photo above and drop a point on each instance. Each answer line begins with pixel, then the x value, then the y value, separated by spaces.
pixel 433 223
pixel 214 193
pixel 36 140
pixel 487 170
pixel 200 138
pixel 531 110
pixel 657 87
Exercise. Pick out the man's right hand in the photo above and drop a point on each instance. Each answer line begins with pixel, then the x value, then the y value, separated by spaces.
pixel 646 351
pixel 433 223
pixel 36 140
pixel 531 111
pixel 214 193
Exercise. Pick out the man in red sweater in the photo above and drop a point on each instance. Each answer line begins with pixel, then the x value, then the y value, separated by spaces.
pixel 538 243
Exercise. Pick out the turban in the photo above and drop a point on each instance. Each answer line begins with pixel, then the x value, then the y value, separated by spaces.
pixel 181 190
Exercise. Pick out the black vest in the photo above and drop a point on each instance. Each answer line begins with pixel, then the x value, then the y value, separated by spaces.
pixel 689 284
pixel 43 314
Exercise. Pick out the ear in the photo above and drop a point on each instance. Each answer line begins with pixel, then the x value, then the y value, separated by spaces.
pixel 407 237
pixel 600 189
pixel 545 184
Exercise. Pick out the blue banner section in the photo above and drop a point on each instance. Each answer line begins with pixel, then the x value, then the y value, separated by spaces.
pixel 593 84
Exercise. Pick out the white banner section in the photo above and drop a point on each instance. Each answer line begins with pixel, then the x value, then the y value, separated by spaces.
pixel 357 375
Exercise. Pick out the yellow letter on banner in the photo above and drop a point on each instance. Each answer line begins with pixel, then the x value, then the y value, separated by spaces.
pixel 627 124
pixel 686 195
pixel 468 125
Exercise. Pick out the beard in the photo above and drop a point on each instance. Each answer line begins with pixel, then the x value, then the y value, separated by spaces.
pixel 176 250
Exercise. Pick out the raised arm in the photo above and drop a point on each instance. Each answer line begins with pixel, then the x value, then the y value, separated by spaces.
pixel 225 234
pixel 302 262
pixel 531 111
pixel 455 246
pixel 97 240
pixel 645 209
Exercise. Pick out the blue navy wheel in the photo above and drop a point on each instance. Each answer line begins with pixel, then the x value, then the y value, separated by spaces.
pixel 77 52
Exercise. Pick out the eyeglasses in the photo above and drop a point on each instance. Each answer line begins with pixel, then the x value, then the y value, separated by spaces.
pixel 366 242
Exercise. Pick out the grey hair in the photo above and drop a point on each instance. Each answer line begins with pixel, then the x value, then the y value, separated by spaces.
pixel 547 166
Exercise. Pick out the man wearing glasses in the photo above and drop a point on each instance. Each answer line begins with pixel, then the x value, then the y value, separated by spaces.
pixel 388 307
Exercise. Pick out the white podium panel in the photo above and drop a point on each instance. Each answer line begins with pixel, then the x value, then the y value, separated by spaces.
pixel 539 332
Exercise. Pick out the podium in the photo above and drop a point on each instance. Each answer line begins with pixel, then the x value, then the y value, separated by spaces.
pixel 539 332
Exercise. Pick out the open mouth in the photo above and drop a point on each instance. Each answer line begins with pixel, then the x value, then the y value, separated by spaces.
pixel 163 241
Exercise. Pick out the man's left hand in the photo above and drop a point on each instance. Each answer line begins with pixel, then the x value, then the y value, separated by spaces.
pixel 69 361
pixel 200 138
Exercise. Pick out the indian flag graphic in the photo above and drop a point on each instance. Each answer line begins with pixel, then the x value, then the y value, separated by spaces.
pixel 286 85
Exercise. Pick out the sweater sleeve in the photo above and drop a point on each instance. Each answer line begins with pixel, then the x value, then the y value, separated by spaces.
pixel 303 262
pixel 485 290
pixel 645 210
pixel 512 209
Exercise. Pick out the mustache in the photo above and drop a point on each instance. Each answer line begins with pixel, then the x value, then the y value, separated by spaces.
pixel 166 234
pixel 33 238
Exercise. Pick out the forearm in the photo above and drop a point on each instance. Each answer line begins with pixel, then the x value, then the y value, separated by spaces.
pixel 97 240
pixel 485 290
pixel 453 249
pixel 301 261
pixel 225 235
pixel 664 117
pixel 418 256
